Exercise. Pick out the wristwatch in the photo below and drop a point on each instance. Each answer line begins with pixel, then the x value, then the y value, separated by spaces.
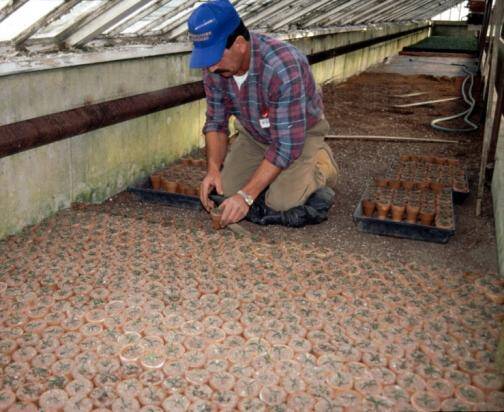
pixel 248 199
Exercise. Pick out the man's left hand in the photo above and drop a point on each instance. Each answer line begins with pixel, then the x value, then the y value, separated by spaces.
pixel 234 209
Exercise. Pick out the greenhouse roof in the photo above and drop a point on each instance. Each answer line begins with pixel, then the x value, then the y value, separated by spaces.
pixel 67 24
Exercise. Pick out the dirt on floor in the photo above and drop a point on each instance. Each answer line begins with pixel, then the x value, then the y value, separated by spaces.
pixel 128 304
pixel 362 105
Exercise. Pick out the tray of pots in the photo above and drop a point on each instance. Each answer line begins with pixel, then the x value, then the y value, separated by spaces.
pixel 433 171
pixel 393 208
pixel 176 185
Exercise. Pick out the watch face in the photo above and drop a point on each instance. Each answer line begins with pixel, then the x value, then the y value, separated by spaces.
pixel 248 199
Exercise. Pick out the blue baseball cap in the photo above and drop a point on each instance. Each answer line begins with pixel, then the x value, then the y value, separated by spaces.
pixel 209 27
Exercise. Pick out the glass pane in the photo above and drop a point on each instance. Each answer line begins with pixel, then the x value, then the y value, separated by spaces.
pixel 81 9
pixel 182 16
pixel 151 17
pixel 135 27
pixel 3 3
pixel 456 13
pixel 25 16
pixel 130 16
pixel 160 11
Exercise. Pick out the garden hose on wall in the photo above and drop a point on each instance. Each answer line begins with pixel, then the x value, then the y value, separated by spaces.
pixel 468 98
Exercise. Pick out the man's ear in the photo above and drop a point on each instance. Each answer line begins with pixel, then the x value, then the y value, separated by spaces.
pixel 241 44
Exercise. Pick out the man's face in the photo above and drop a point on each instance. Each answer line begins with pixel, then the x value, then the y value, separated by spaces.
pixel 230 62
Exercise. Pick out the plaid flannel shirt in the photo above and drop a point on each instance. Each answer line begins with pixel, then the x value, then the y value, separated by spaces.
pixel 280 87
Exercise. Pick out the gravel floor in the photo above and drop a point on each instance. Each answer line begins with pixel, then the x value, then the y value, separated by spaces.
pixel 130 306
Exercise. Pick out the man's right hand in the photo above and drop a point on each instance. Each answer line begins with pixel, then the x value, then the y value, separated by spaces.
pixel 212 180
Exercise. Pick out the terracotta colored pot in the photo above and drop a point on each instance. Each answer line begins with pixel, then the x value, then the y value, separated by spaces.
pixel 368 207
pixel 408 184
pixel 411 213
pixel 436 187
pixel 169 186
pixel 184 189
pixel 423 185
pixel 383 209
pixel 397 213
pixel 381 181
pixel 195 191
pixel 216 215
pixel 155 181
pixel 426 217
pixel 395 184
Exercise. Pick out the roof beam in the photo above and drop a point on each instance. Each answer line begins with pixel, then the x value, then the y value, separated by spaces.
pixel 434 11
pixel 412 9
pixel 105 20
pixel 350 15
pixel 372 10
pixel 289 18
pixel 412 14
pixel 245 7
pixel 382 12
pixel 418 13
pixel 293 7
pixel 135 19
pixel 11 8
pixel 403 11
pixel 82 19
pixel 179 27
pixel 250 21
pixel 186 6
pixel 44 21
pixel 329 13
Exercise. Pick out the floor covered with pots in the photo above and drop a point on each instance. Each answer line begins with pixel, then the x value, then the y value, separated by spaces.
pixel 130 306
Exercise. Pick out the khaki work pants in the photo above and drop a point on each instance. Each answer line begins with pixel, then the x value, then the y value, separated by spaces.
pixel 294 185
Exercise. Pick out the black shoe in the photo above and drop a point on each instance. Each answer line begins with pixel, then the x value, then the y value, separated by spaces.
pixel 314 211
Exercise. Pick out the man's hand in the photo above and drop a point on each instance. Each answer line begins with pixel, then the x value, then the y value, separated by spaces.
pixel 234 210
pixel 212 180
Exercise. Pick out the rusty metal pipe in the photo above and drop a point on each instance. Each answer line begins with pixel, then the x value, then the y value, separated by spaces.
pixel 28 134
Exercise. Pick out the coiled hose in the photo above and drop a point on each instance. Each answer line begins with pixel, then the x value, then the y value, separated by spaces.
pixel 469 99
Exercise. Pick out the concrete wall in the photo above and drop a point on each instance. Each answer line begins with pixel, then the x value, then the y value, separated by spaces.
pixel 498 199
pixel 451 28
pixel 96 165
pixel 350 64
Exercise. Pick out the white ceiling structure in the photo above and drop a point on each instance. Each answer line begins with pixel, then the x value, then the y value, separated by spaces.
pixel 76 23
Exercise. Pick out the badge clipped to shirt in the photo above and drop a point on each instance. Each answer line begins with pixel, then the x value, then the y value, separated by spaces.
pixel 264 120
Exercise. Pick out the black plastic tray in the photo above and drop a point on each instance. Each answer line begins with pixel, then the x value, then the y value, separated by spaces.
pixel 403 230
pixel 143 189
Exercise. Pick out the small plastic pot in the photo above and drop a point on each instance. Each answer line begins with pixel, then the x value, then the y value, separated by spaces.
pixel 216 215
pixel 412 213
pixel 383 209
pixel 397 212
pixel 426 217
pixel 169 186
pixel 155 181
pixel 368 207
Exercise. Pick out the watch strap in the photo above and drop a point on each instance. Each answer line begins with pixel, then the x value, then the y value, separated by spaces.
pixel 248 199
